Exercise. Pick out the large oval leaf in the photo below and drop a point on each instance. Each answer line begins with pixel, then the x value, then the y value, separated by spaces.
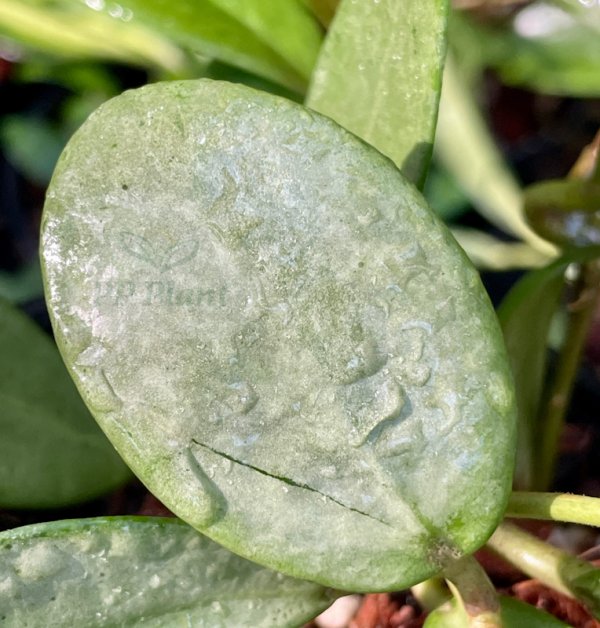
pixel 52 453
pixel 141 571
pixel 278 335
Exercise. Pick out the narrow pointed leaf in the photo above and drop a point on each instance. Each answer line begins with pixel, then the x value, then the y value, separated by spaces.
pixel 52 453
pixel 155 32
pixel 284 25
pixel 525 316
pixel 70 29
pixel 489 252
pixel 379 75
pixel 141 571
pixel 322 388
pixel 206 29
pixel 466 149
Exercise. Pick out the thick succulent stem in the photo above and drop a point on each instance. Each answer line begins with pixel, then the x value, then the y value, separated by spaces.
pixel 555 507
pixel 472 588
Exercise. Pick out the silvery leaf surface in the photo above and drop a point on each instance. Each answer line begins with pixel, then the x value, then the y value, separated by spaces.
pixel 141 571
pixel 322 387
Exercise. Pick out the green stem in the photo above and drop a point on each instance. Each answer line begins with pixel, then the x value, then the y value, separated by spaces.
pixel 475 593
pixel 551 566
pixel 580 318
pixel 555 507
pixel 431 594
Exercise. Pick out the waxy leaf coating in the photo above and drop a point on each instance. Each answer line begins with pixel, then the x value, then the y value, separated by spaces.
pixel 141 571
pixel 278 335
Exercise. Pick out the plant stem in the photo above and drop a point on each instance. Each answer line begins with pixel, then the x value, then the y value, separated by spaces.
pixel 555 507
pixel 580 318
pixel 475 593
pixel 551 566
pixel 431 594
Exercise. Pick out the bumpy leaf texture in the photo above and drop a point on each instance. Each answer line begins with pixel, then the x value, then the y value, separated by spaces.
pixel 316 379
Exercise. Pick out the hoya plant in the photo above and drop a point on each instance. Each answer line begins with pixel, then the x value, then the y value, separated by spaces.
pixel 286 345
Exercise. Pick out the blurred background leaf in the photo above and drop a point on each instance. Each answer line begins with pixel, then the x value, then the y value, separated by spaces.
pixel 467 150
pixel 71 29
pixel 549 47
pixel 526 315
pixel 24 285
pixel 565 211
pixel 33 145
pixel 278 42
pixel 52 452
pixel 285 26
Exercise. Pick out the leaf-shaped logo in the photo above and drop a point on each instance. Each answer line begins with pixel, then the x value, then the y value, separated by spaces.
pixel 179 254
pixel 141 248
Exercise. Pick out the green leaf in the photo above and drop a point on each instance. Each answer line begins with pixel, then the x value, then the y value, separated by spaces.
pixel 491 253
pixel 324 10
pixel 566 212
pixel 153 32
pixel 141 571
pixel 222 72
pixel 278 335
pixel 32 145
pixel 206 29
pixel 69 28
pixel 444 195
pixel 514 614
pixel 466 149
pixel 51 451
pixel 525 316
pixel 542 48
pixel 379 75
pixel 23 285
pixel 284 25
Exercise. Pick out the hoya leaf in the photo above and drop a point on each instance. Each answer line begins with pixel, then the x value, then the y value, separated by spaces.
pixel 70 29
pixel 562 60
pixel 465 147
pixel 380 74
pixel 514 614
pixel 324 10
pixel 32 145
pixel 52 453
pixel 566 212
pixel 23 285
pixel 284 25
pixel 154 32
pixel 525 315
pixel 489 252
pixel 141 571
pixel 207 28
pixel 321 387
